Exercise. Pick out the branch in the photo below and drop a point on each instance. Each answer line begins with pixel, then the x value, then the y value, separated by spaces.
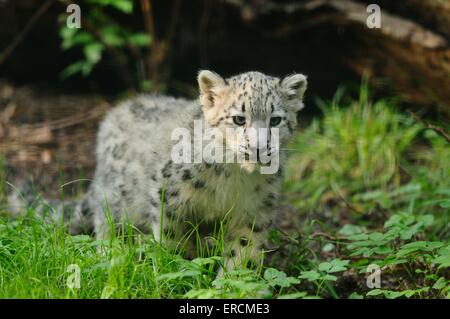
pixel 429 126
pixel 392 25
pixel 174 21
pixel 22 35
pixel 147 14
pixel 159 48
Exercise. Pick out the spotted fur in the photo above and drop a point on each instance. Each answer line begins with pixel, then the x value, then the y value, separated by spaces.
pixel 135 170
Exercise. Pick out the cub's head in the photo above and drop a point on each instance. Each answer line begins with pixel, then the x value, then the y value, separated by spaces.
pixel 248 103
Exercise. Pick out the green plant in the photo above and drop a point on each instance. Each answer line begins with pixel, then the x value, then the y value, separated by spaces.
pixel 423 262
pixel 375 185
pixel 355 148
pixel 102 32
pixel 325 273
pixel 2 182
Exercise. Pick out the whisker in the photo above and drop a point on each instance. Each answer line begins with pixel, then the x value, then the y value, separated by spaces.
pixel 290 149
pixel 75 181
pixel 281 149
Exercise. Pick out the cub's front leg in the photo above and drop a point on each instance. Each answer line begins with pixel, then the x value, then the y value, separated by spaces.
pixel 247 244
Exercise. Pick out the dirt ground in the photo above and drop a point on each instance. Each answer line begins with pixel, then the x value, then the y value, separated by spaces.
pixel 48 136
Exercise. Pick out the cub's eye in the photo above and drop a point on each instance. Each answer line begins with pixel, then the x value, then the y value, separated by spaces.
pixel 239 120
pixel 274 121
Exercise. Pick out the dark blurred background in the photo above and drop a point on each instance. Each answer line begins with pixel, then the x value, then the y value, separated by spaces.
pixel 56 82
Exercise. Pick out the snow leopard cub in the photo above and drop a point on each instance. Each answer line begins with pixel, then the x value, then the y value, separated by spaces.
pixel 136 176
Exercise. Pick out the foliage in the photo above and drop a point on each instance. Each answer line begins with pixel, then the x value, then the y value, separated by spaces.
pixel 378 184
pixel 100 32
pixel 371 188
pixel 356 150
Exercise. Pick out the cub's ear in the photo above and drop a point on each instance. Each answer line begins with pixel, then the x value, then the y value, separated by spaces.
pixel 209 84
pixel 294 86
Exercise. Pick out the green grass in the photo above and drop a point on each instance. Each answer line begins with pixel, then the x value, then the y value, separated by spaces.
pixel 369 185
pixel 35 260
